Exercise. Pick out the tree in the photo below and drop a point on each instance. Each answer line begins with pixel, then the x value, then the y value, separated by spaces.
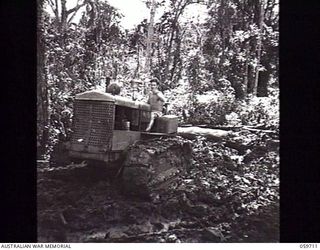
pixel 270 52
pixel 167 46
pixel 103 38
pixel 63 17
pixel 150 35
pixel 71 58
pixel 137 44
pixel 238 45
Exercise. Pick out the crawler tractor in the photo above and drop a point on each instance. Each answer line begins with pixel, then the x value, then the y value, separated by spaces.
pixel 108 130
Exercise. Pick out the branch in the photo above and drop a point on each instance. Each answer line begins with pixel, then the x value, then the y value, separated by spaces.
pixel 197 1
pixel 57 11
pixel 54 9
pixel 74 13
pixel 179 12
pixel 75 9
pixel 183 6
pixel 51 3
pixel 182 33
pixel 197 30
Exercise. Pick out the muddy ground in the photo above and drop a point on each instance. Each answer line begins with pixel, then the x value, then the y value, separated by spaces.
pixel 229 194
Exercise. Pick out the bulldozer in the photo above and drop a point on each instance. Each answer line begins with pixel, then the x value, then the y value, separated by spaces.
pixel 109 133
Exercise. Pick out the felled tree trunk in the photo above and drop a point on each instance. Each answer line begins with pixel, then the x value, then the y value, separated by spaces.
pixel 193 132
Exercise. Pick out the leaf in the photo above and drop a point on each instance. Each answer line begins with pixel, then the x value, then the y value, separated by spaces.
pixel 246 181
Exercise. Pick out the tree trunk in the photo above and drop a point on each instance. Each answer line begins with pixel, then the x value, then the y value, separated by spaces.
pixel 169 48
pixel 174 29
pixel 137 71
pixel 63 21
pixel 222 30
pixel 262 90
pixel 259 47
pixel 264 76
pixel 254 6
pixel 246 68
pixel 245 79
pixel 176 56
pixel 150 37
pixel 250 74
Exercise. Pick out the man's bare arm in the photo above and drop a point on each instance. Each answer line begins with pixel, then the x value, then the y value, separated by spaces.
pixel 161 96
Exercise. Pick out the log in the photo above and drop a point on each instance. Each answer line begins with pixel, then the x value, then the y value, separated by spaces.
pixel 259 130
pixel 193 132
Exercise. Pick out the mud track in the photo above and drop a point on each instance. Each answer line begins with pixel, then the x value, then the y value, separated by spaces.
pixel 225 196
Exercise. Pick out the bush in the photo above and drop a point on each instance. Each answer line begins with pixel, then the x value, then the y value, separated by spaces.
pixel 260 111
pixel 179 98
pixel 209 107
pixel 212 107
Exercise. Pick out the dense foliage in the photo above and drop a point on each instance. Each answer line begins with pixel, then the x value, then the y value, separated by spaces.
pixel 220 71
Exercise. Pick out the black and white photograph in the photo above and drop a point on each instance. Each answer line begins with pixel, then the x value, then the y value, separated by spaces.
pixel 158 121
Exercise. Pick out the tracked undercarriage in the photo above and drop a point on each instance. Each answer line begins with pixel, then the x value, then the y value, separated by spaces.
pixel 151 165
pixel 146 167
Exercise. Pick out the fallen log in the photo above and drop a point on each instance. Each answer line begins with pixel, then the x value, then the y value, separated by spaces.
pixel 255 128
pixel 259 130
pixel 193 132
pixel 225 137
pixel 219 127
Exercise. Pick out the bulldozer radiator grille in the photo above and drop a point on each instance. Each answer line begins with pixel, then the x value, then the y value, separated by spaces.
pixel 93 123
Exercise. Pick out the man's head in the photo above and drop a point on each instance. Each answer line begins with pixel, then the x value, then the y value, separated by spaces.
pixel 113 88
pixel 154 83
